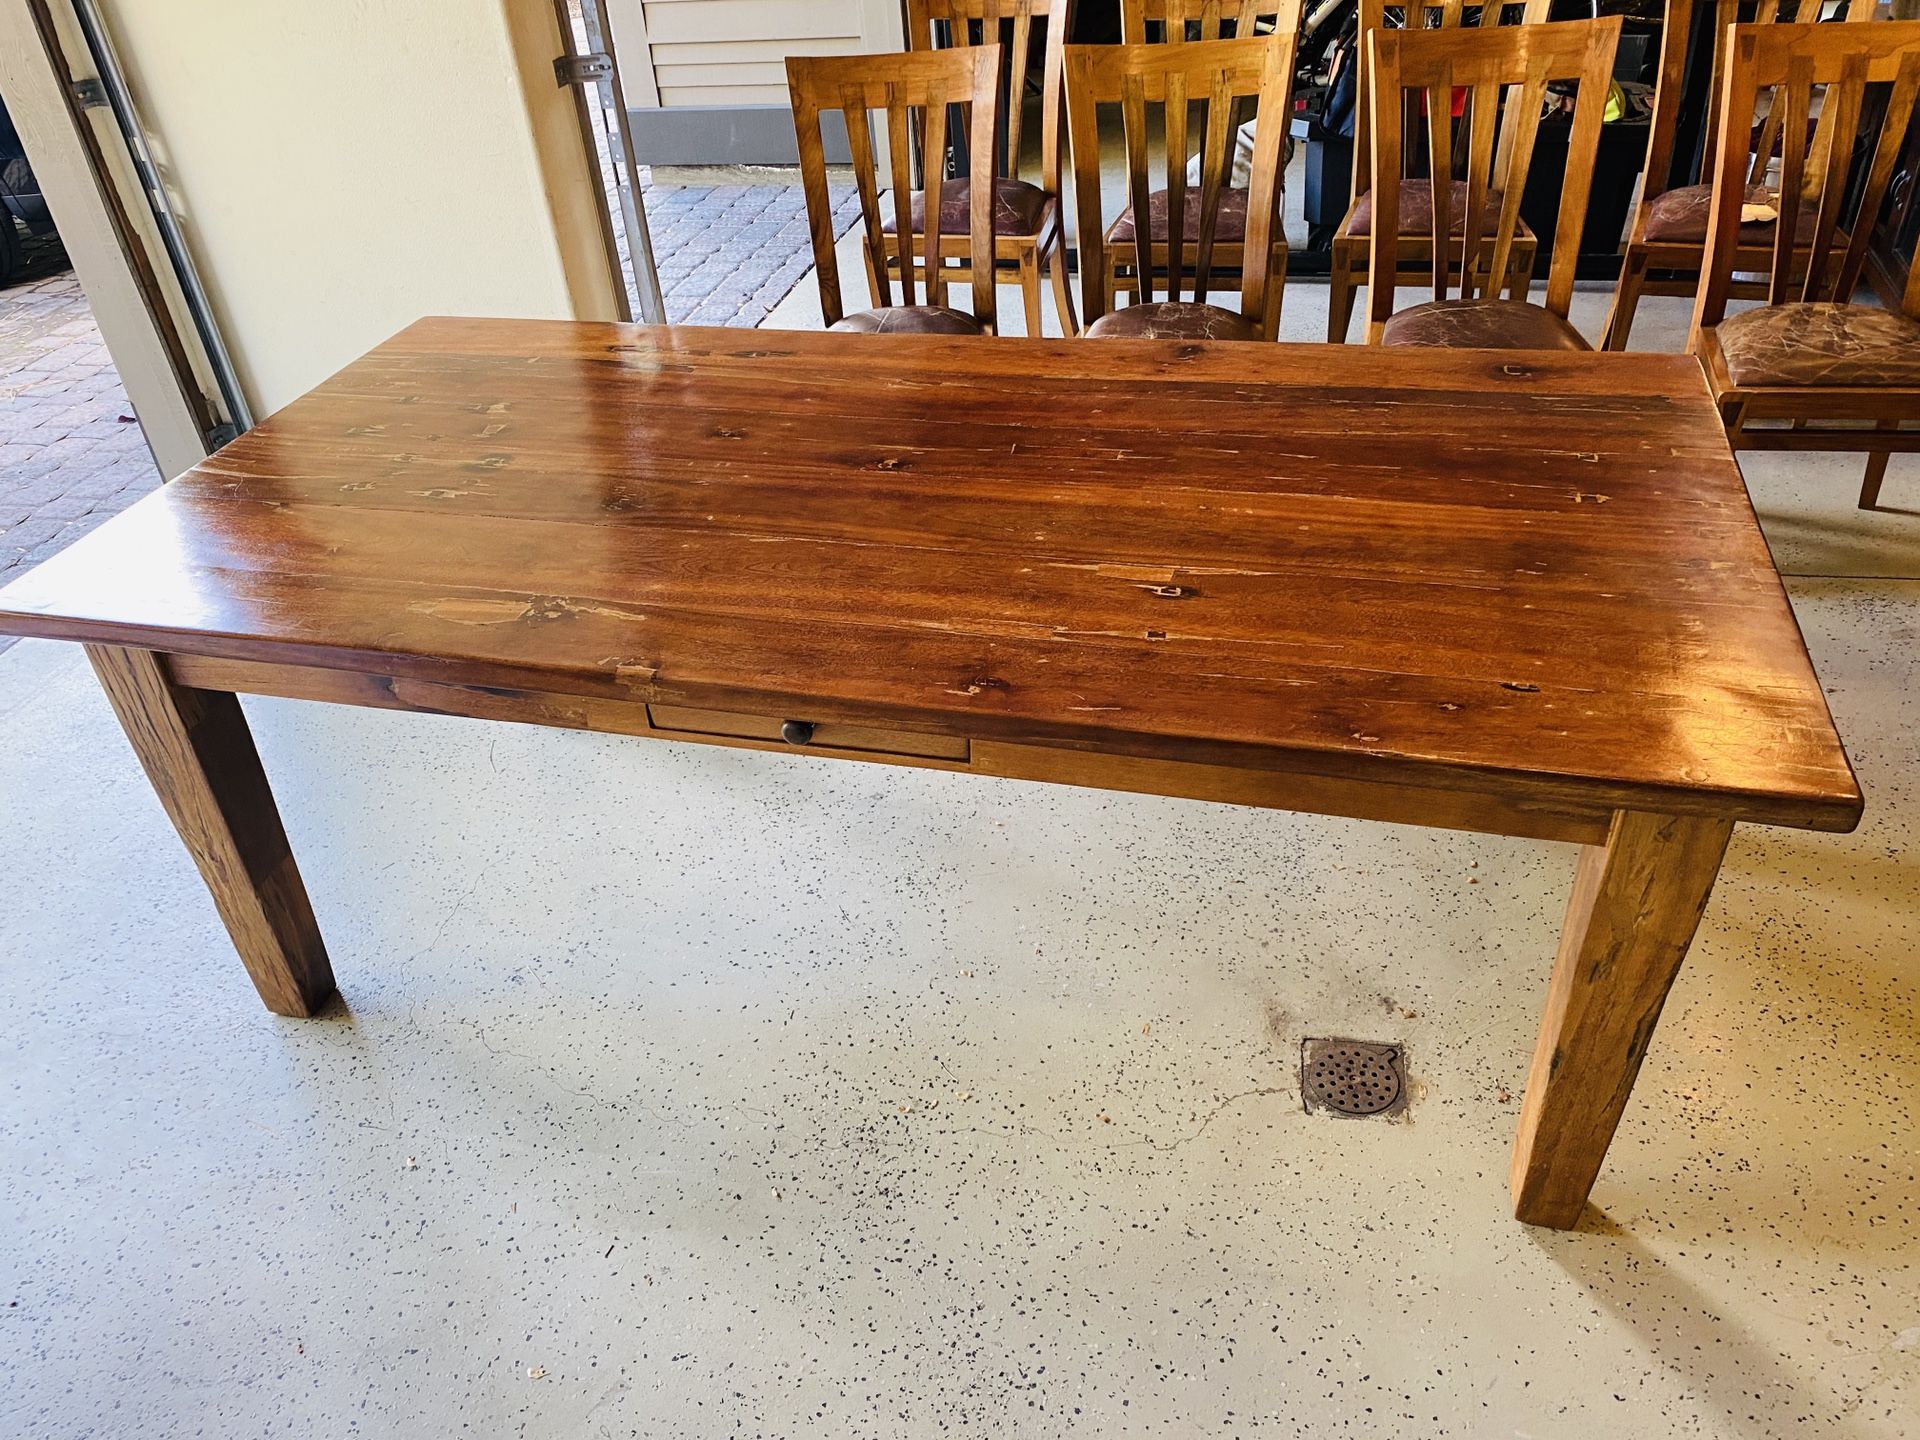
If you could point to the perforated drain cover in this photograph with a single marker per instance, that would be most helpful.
(1352, 1077)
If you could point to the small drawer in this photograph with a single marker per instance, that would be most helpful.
(798, 734)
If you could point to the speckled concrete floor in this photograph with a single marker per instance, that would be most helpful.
(643, 1112)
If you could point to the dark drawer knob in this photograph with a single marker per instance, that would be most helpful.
(796, 732)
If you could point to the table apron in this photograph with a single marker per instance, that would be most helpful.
(1393, 802)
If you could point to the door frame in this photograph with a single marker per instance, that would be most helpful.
(99, 235)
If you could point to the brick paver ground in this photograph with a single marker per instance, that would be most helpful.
(71, 453)
(727, 254)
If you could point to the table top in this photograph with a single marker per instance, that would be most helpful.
(1532, 575)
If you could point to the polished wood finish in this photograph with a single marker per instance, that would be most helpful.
(197, 751)
(1636, 902)
(1351, 255)
(1174, 22)
(1672, 267)
(1836, 168)
(1482, 591)
(935, 24)
(1400, 803)
(1371, 567)
(910, 94)
(1224, 78)
(1505, 72)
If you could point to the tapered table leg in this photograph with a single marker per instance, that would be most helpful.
(198, 752)
(1636, 903)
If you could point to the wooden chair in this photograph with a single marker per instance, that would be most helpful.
(1029, 234)
(1669, 230)
(1814, 370)
(1515, 64)
(1223, 77)
(1351, 249)
(911, 94)
(1174, 22)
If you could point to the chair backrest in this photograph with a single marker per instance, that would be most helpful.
(1825, 168)
(1514, 64)
(1433, 15)
(1170, 19)
(1223, 77)
(1671, 82)
(1669, 85)
(937, 24)
(911, 92)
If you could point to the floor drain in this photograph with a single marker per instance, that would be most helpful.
(1352, 1077)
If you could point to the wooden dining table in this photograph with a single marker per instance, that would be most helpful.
(1518, 594)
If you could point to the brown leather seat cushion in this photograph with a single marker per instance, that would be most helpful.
(1803, 344)
(910, 320)
(1229, 226)
(1483, 325)
(1172, 320)
(1017, 208)
(1681, 216)
(1416, 211)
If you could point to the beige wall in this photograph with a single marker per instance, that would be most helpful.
(343, 167)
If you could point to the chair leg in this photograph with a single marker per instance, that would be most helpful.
(1062, 286)
(1276, 292)
(1030, 289)
(1340, 295)
(1626, 300)
(1876, 471)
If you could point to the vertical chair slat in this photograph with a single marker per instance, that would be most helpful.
(1015, 63)
(960, 37)
(813, 183)
(1483, 106)
(1793, 102)
(1216, 141)
(980, 197)
(1175, 128)
(860, 150)
(1729, 188)
(921, 19)
(1051, 82)
(1271, 118)
(1440, 184)
(1522, 131)
(1383, 249)
(933, 162)
(1833, 168)
(1083, 134)
(1133, 113)
(899, 154)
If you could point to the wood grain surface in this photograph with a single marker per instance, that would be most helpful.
(1535, 577)
(197, 751)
